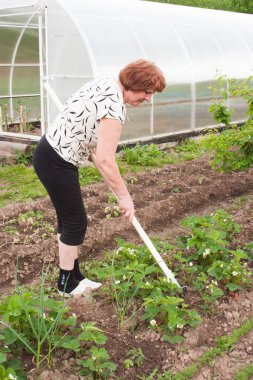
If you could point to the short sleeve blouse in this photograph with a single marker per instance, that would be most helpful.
(73, 134)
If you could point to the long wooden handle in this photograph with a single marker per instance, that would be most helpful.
(168, 273)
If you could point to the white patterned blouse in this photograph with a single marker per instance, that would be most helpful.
(73, 134)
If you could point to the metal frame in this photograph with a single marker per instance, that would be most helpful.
(42, 27)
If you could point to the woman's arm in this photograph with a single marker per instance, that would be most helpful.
(108, 138)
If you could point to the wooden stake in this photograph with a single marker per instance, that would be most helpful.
(6, 117)
(1, 120)
(24, 117)
(21, 118)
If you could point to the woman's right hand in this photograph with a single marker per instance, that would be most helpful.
(126, 206)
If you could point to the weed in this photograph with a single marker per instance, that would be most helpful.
(88, 175)
(112, 198)
(112, 212)
(245, 373)
(134, 356)
(144, 155)
(97, 364)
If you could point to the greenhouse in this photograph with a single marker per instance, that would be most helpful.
(58, 45)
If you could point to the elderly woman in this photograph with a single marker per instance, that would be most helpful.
(91, 121)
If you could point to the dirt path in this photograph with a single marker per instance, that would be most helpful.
(162, 197)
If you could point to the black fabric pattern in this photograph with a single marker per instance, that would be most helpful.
(73, 134)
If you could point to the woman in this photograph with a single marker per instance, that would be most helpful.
(91, 120)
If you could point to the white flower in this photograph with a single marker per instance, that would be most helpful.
(180, 326)
(234, 273)
(191, 264)
(153, 322)
(206, 252)
(74, 315)
(147, 283)
(214, 282)
(131, 252)
(124, 277)
(44, 315)
(11, 377)
(94, 357)
(117, 282)
(187, 247)
(211, 214)
(119, 250)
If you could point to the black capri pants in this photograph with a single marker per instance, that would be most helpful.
(60, 179)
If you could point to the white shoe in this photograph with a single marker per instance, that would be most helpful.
(90, 284)
(82, 287)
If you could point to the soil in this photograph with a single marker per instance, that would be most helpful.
(162, 198)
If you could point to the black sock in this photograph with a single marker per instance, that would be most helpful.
(67, 281)
(77, 272)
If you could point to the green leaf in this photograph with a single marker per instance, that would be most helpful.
(3, 357)
(233, 287)
(73, 345)
(173, 339)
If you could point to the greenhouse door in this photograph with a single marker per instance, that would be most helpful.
(22, 68)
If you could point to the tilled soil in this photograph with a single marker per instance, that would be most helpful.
(162, 197)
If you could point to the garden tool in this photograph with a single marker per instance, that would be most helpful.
(168, 273)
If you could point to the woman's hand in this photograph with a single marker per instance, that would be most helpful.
(127, 207)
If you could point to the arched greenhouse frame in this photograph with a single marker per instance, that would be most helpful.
(65, 43)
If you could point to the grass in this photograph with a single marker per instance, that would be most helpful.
(245, 373)
(19, 183)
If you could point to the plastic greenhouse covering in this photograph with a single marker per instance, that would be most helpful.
(65, 43)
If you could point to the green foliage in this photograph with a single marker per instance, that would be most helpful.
(112, 212)
(144, 155)
(29, 186)
(139, 288)
(88, 175)
(111, 198)
(232, 149)
(171, 312)
(97, 364)
(134, 356)
(33, 322)
(190, 145)
(206, 253)
(39, 325)
(7, 373)
(25, 158)
(242, 6)
(245, 373)
(221, 113)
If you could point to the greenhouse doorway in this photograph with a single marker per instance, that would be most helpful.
(22, 67)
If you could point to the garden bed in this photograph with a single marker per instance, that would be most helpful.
(162, 198)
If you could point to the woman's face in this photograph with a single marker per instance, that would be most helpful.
(135, 98)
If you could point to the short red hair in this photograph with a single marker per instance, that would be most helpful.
(142, 75)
